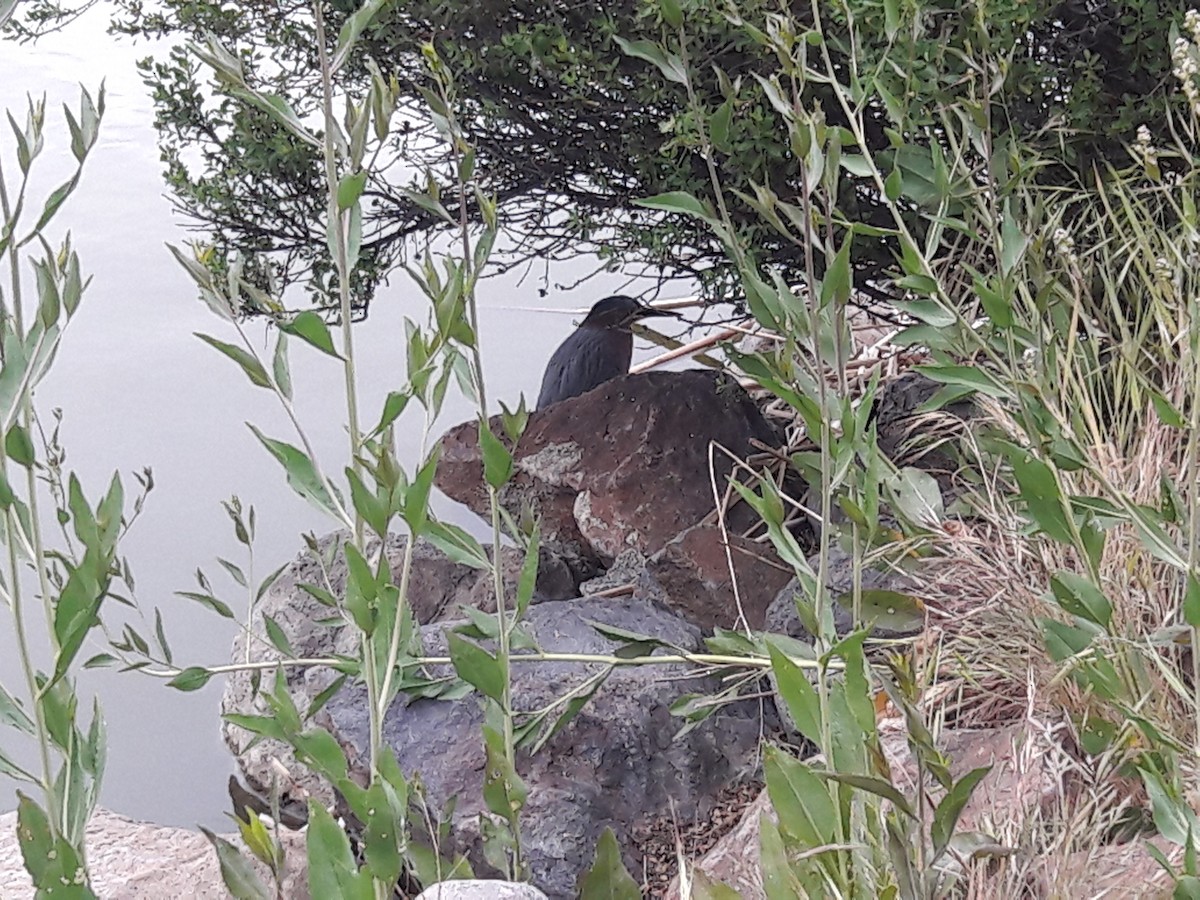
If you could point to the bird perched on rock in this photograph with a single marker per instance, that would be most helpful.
(599, 349)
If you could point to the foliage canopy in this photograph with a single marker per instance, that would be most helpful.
(569, 130)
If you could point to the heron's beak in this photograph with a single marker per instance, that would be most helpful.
(647, 312)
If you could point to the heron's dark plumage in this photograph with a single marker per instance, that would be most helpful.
(598, 350)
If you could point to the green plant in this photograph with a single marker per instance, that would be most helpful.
(55, 589)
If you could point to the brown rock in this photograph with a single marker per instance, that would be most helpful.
(1026, 778)
(691, 576)
(623, 466)
(735, 859)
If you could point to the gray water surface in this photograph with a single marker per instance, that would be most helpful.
(138, 389)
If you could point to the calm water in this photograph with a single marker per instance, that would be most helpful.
(138, 389)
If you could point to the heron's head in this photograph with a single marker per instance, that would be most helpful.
(620, 312)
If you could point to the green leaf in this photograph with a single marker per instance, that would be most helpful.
(668, 63)
(1191, 601)
(393, 406)
(236, 871)
(705, 888)
(190, 679)
(671, 12)
(718, 126)
(1167, 414)
(797, 692)
(281, 368)
(350, 188)
(876, 786)
(416, 499)
(893, 185)
(353, 27)
(19, 447)
(321, 751)
(373, 510)
(53, 863)
(1012, 242)
(917, 496)
(997, 304)
(608, 879)
(529, 571)
(801, 800)
(838, 281)
(967, 376)
(251, 366)
(679, 202)
(332, 873)
(51, 305)
(311, 328)
(220, 608)
(427, 203)
(857, 165)
(891, 18)
(931, 312)
(1041, 493)
(301, 473)
(779, 882)
(1172, 817)
(277, 637)
(257, 839)
(945, 817)
(1079, 597)
(383, 835)
(35, 838)
(477, 666)
(458, 544)
(12, 713)
(889, 610)
(497, 461)
(55, 201)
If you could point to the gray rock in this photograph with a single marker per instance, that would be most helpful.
(625, 571)
(782, 617)
(481, 890)
(623, 466)
(922, 440)
(131, 860)
(437, 587)
(616, 764)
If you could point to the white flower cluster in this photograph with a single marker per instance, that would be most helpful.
(1183, 57)
(1064, 245)
(1164, 270)
(1144, 149)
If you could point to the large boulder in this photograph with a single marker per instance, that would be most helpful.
(623, 466)
(130, 860)
(617, 764)
(437, 588)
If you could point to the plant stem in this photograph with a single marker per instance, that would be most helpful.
(339, 225)
(14, 572)
(696, 659)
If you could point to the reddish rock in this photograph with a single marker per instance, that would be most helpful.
(735, 860)
(623, 466)
(691, 576)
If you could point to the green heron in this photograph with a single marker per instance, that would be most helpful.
(600, 349)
